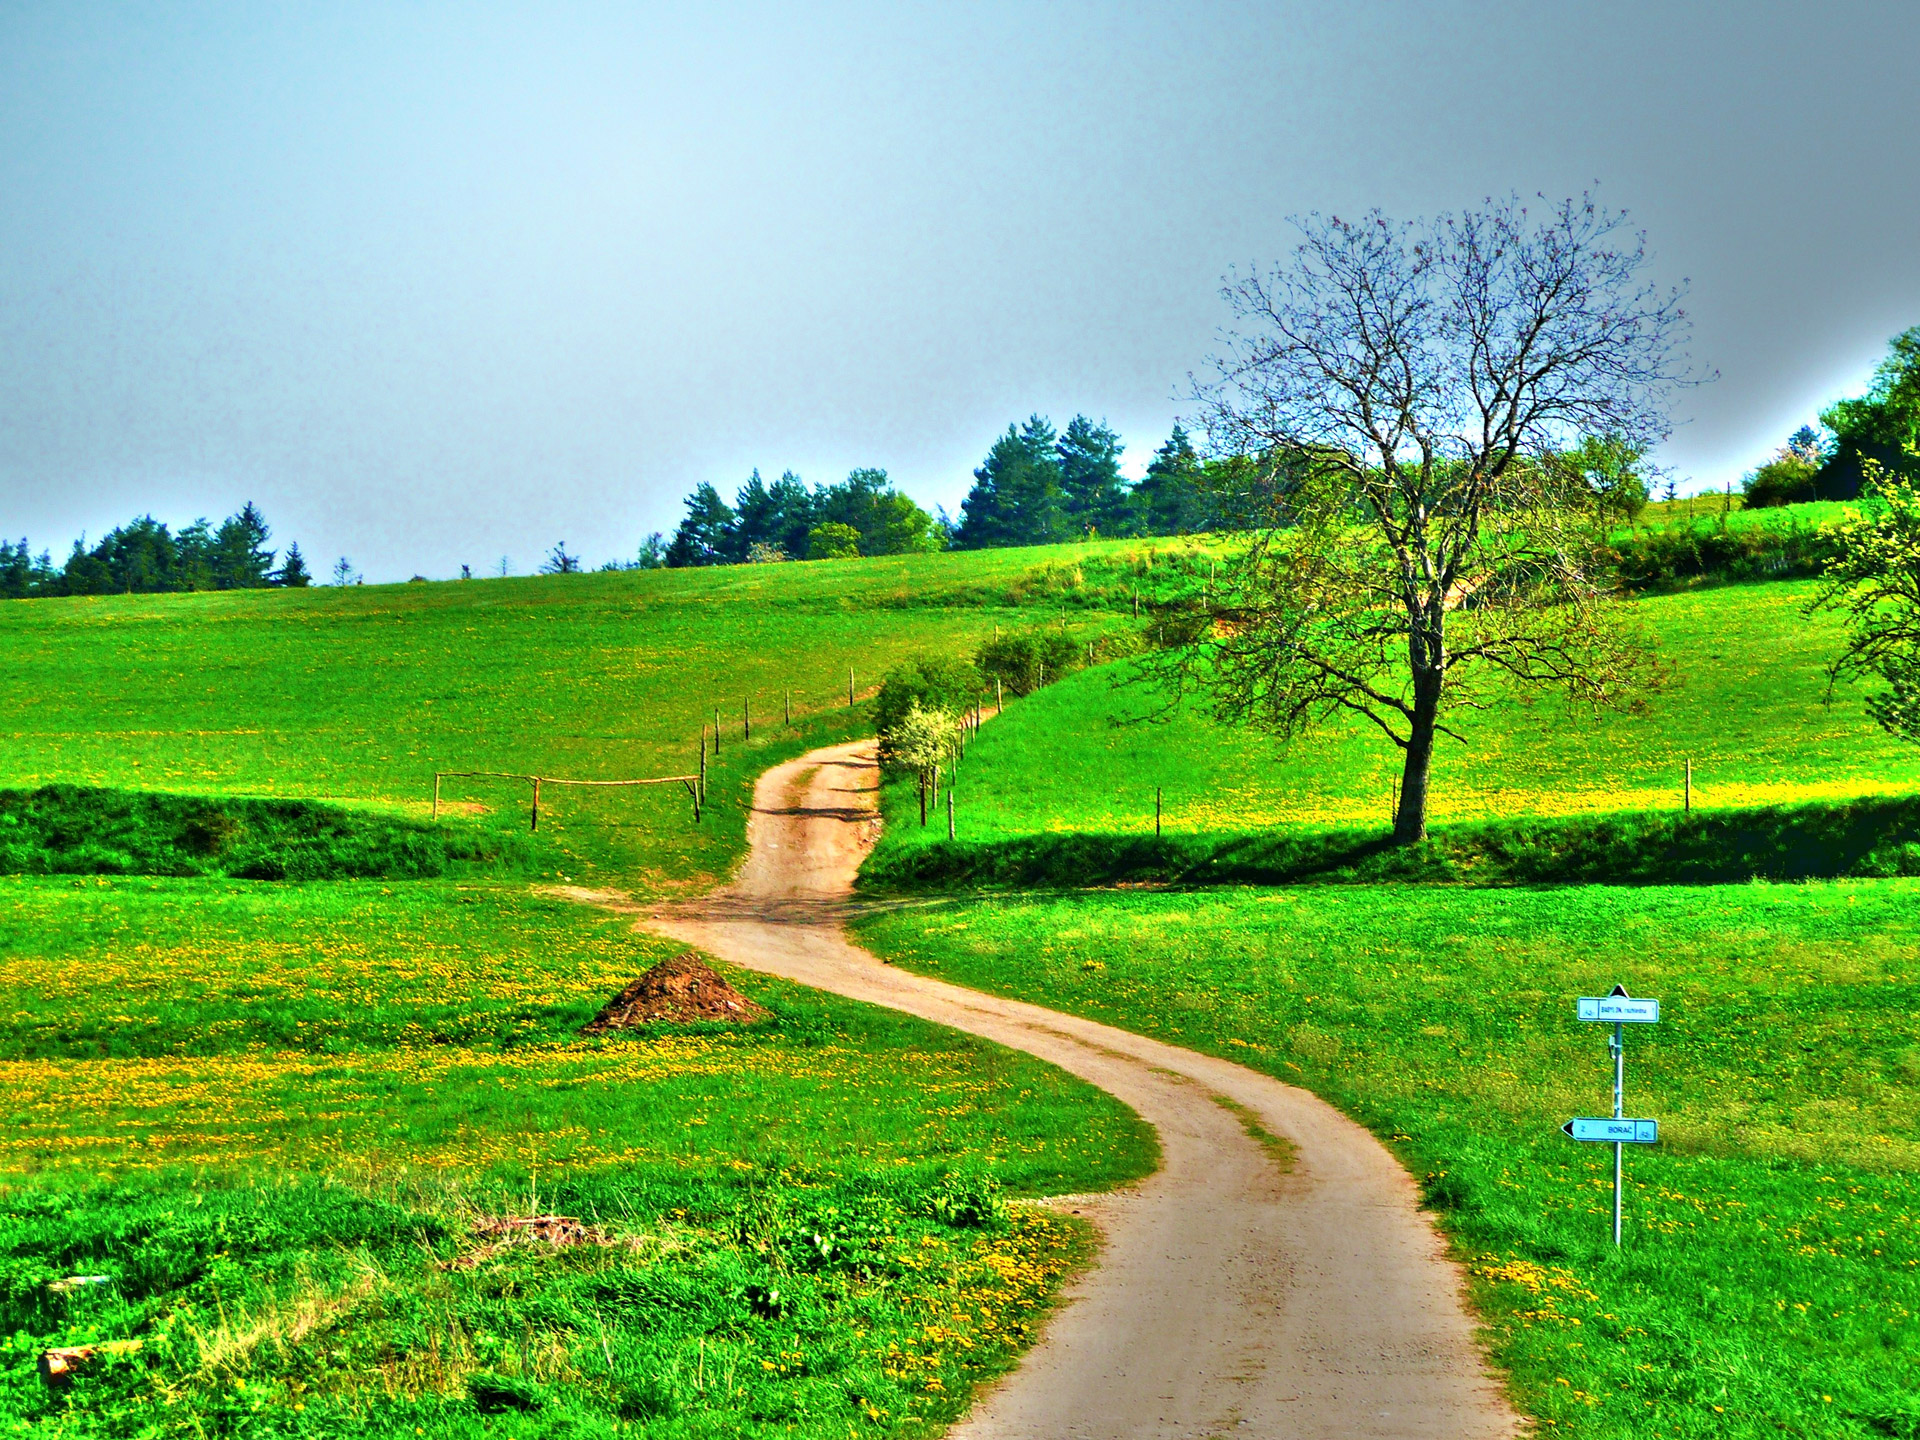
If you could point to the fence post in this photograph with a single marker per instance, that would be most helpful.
(1689, 787)
(703, 762)
(849, 687)
(746, 719)
(716, 732)
(787, 695)
(949, 812)
(536, 804)
(999, 700)
(1156, 812)
(436, 797)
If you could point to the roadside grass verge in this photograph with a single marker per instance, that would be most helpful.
(1875, 837)
(281, 1118)
(1771, 1274)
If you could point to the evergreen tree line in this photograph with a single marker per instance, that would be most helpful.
(144, 557)
(861, 515)
(1039, 487)
(1036, 487)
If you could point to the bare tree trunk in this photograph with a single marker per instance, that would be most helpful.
(1410, 821)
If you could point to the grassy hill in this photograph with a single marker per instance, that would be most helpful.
(285, 1117)
(1744, 697)
(1772, 1270)
(358, 695)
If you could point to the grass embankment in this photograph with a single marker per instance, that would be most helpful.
(76, 830)
(279, 1119)
(1876, 837)
(1745, 700)
(1772, 1272)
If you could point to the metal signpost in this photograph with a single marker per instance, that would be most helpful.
(1618, 1010)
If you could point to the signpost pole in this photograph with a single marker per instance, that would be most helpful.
(1619, 1097)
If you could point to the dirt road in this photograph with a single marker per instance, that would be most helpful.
(1230, 1298)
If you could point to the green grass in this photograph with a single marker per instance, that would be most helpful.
(358, 695)
(75, 830)
(1744, 699)
(1877, 837)
(273, 1114)
(1772, 1271)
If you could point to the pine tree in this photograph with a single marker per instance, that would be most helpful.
(755, 521)
(1171, 495)
(703, 536)
(1016, 497)
(293, 570)
(240, 558)
(1090, 480)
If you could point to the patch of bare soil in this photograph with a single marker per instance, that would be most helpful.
(680, 991)
(503, 1232)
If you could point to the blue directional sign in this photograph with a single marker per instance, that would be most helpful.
(1619, 1009)
(1615, 1132)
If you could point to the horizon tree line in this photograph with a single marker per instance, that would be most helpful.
(145, 557)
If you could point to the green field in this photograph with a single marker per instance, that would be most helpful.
(1745, 698)
(1773, 1267)
(306, 1101)
(281, 1117)
(360, 694)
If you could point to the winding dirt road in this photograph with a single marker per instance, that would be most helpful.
(1230, 1298)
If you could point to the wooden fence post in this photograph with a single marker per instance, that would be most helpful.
(1689, 787)
(923, 799)
(536, 804)
(849, 687)
(703, 762)
(436, 797)
(716, 732)
(787, 696)
(999, 700)
(1156, 812)
(949, 812)
(746, 719)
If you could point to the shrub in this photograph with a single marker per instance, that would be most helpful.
(833, 541)
(1667, 559)
(943, 683)
(1787, 479)
(1023, 663)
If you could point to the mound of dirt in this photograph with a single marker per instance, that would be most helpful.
(680, 991)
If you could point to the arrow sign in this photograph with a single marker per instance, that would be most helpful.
(1618, 1009)
(1614, 1132)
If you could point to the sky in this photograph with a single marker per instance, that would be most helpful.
(438, 284)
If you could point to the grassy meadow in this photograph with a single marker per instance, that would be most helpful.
(359, 694)
(1744, 697)
(287, 1119)
(1772, 1271)
(1771, 1276)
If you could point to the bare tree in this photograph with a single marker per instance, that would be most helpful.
(1412, 393)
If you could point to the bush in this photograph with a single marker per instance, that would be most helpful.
(1787, 479)
(937, 684)
(1023, 663)
(1668, 559)
(833, 541)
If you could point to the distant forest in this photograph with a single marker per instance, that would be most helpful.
(143, 557)
(1037, 486)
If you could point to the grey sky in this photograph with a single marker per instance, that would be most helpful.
(438, 283)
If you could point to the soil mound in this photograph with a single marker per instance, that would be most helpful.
(680, 991)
